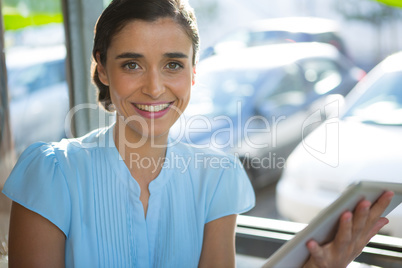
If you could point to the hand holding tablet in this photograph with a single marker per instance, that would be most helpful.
(354, 230)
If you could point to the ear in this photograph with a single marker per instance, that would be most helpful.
(193, 75)
(101, 70)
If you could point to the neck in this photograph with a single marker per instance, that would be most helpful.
(144, 156)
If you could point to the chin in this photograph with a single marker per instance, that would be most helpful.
(157, 132)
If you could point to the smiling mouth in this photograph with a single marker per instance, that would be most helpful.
(153, 108)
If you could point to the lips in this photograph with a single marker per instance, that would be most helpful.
(152, 110)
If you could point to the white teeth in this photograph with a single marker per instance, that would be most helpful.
(152, 108)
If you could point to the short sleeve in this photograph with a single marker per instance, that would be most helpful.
(37, 183)
(234, 193)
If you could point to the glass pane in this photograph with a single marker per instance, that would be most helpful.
(364, 42)
(36, 76)
(35, 62)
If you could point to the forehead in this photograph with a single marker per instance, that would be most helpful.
(163, 32)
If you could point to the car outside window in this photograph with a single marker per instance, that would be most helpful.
(381, 104)
(323, 74)
(289, 94)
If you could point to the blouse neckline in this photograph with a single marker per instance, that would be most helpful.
(123, 172)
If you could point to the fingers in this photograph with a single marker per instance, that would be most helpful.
(333, 253)
(360, 217)
(376, 228)
(380, 205)
(354, 232)
(317, 253)
(344, 234)
(363, 224)
(377, 210)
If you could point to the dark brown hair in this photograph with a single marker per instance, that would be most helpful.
(120, 12)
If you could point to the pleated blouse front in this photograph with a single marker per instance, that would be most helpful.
(87, 191)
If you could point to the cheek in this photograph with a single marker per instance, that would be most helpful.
(120, 87)
(182, 88)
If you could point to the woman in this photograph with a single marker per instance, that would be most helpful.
(127, 195)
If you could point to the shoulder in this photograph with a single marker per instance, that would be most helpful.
(41, 155)
(93, 140)
(218, 177)
(67, 150)
(36, 156)
(38, 183)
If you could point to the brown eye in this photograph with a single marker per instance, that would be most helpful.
(173, 65)
(131, 65)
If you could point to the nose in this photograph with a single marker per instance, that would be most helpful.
(154, 84)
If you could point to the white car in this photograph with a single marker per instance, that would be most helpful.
(365, 143)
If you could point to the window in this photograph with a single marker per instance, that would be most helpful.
(34, 97)
(35, 62)
(37, 83)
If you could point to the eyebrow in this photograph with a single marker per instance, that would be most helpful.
(129, 55)
(176, 55)
(133, 55)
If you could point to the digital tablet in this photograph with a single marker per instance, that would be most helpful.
(294, 253)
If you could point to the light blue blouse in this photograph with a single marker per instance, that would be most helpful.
(85, 189)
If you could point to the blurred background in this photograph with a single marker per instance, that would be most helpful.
(370, 30)
(281, 69)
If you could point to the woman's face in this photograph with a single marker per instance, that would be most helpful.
(149, 72)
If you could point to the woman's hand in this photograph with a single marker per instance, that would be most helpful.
(354, 232)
